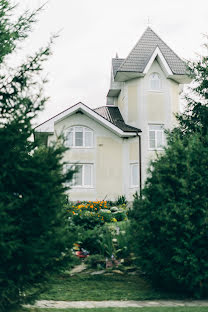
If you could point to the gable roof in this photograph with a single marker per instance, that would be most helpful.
(140, 55)
(112, 120)
(112, 113)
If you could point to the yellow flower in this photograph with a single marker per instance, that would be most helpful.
(114, 220)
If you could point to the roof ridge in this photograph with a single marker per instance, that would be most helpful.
(134, 62)
(165, 43)
(133, 48)
(58, 114)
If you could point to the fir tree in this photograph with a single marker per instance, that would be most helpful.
(34, 239)
(170, 219)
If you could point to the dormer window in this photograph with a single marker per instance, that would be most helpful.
(155, 82)
(79, 137)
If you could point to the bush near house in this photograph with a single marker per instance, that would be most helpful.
(170, 219)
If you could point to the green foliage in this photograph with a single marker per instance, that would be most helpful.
(95, 261)
(91, 222)
(34, 237)
(90, 239)
(124, 240)
(170, 219)
(194, 119)
(121, 200)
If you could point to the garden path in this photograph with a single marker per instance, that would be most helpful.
(120, 304)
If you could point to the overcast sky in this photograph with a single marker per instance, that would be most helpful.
(92, 31)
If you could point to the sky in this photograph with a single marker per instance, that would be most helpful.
(91, 32)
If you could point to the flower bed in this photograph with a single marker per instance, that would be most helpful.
(100, 228)
(92, 213)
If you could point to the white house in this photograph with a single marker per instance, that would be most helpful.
(113, 144)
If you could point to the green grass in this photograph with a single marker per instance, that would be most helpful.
(162, 309)
(100, 287)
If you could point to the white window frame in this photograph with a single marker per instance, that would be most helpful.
(84, 130)
(132, 165)
(161, 130)
(159, 89)
(83, 185)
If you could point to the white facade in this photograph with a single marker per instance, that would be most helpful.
(113, 163)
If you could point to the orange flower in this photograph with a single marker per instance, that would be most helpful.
(73, 212)
(91, 206)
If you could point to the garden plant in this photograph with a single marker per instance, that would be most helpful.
(101, 228)
(170, 218)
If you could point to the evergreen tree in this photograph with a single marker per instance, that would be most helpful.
(34, 238)
(170, 219)
(195, 117)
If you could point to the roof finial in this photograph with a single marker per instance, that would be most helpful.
(148, 21)
(116, 55)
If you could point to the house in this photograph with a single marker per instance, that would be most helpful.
(113, 144)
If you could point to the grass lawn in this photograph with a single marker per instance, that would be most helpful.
(100, 287)
(162, 309)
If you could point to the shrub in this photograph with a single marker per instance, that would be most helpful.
(121, 201)
(90, 239)
(119, 215)
(95, 261)
(170, 220)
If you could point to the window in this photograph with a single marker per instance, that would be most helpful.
(156, 136)
(155, 82)
(79, 137)
(134, 168)
(84, 175)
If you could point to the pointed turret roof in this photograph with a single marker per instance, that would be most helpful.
(142, 52)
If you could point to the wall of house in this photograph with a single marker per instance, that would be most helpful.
(140, 107)
(156, 107)
(132, 94)
(121, 101)
(111, 157)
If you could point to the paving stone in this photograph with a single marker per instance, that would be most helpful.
(117, 272)
(78, 269)
(97, 272)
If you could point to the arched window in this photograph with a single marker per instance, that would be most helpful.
(79, 137)
(155, 82)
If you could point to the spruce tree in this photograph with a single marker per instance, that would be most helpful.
(34, 238)
(170, 219)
